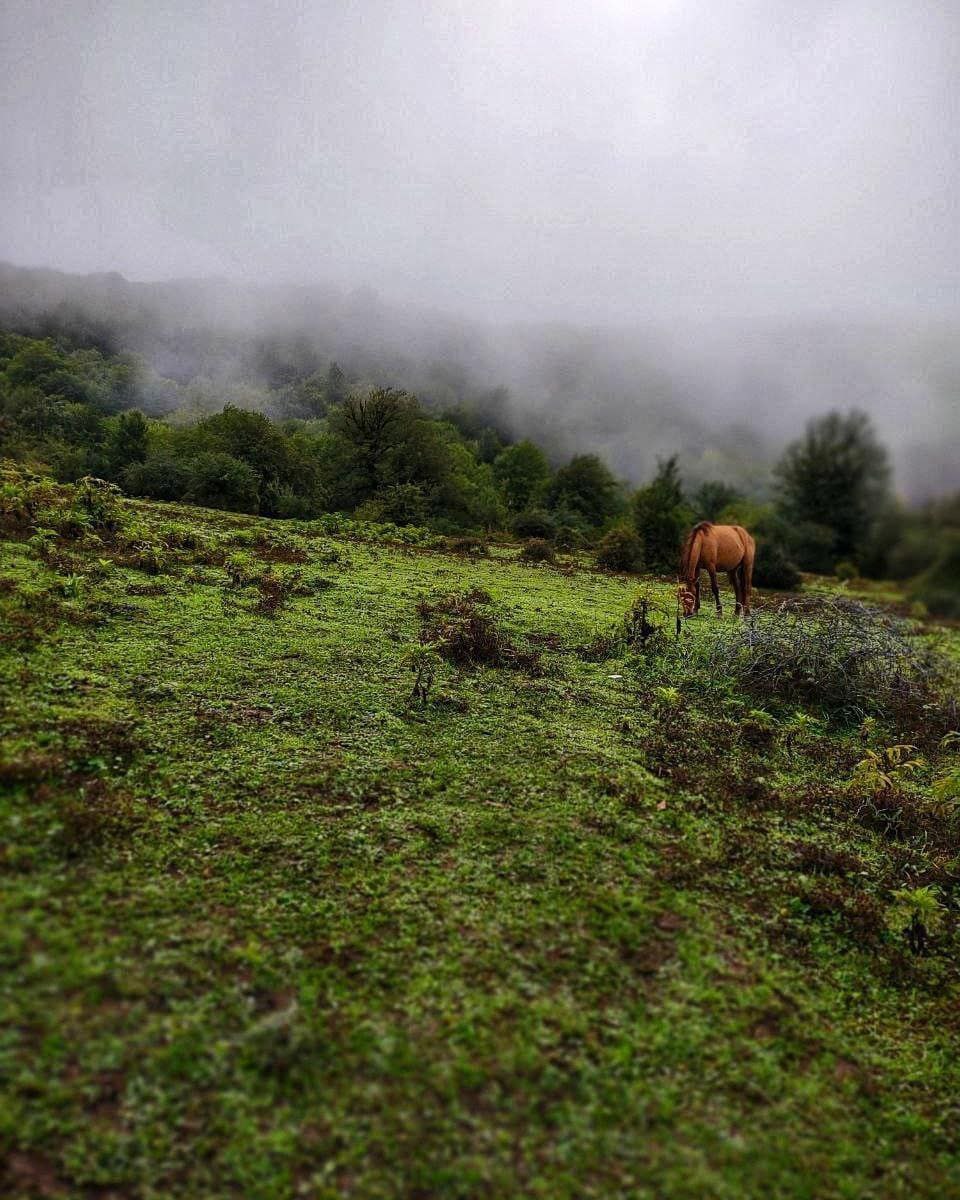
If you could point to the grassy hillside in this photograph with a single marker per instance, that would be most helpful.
(590, 920)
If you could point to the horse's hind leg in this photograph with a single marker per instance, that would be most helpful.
(747, 568)
(737, 584)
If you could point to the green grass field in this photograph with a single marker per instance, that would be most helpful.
(567, 929)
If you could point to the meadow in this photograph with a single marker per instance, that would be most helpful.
(342, 860)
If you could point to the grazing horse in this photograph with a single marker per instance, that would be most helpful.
(716, 547)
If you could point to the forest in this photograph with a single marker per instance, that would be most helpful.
(339, 444)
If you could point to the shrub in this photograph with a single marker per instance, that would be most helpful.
(838, 655)
(284, 501)
(537, 551)
(145, 556)
(180, 537)
(773, 569)
(939, 587)
(222, 481)
(846, 570)
(158, 478)
(402, 503)
(462, 628)
(422, 661)
(473, 547)
(101, 503)
(568, 537)
(620, 550)
(535, 523)
(241, 569)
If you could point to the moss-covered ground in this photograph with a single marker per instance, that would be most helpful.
(269, 929)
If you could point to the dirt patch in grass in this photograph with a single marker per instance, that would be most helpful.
(31, 1174)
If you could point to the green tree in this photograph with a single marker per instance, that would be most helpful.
(836, 478)
(523, 473)
(662, 515)
(587, 488)
(222, 481)
(711, 498)
(335, 390)
(387, 441)
(127, 441)
(248, 436)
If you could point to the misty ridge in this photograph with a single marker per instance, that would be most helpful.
(723, 396)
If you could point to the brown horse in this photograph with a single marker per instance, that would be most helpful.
(716, 547)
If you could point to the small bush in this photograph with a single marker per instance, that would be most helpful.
(144, 556)
(915, 913)
(101, 502)
(845, 571)
(620, 550)
(221, 481)
(538, 551)
(568, 538)
(838, 655)
(938, 588)
(180, 537)
(472, 547)
(535, 523)
(773, 569)
(158, 479)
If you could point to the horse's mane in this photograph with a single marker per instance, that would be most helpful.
(700, 527)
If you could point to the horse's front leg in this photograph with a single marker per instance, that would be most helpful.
(715, 587)
(696, 593)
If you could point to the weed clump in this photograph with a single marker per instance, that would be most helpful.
(276, 590)
(641, 629)
(463, 629)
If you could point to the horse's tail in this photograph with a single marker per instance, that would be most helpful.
(690, 554)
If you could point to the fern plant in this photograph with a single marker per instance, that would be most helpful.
(915, 912)
(884, 770)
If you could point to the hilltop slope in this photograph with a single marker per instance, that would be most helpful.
(570, 927)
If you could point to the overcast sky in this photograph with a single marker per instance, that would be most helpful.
(604, 161)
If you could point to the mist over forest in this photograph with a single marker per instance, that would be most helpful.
(724, 396)
(635, 229)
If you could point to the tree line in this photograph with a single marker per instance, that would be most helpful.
(379, 454)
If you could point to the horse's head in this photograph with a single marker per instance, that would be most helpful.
(686, 598)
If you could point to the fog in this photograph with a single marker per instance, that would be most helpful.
(655, 222)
